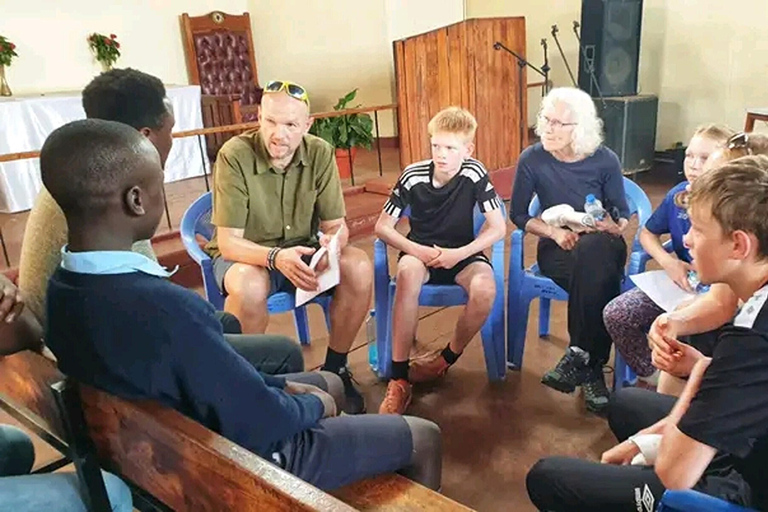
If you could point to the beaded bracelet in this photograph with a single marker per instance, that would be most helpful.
(272, 257)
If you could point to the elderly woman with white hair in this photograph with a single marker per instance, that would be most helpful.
(568, 164)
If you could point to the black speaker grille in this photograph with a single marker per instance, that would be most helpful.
(610, 38)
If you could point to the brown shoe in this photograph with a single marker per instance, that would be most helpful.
(398, 397)
(427, 368)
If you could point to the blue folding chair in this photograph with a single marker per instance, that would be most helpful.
(528, 284)
(694, 501)
(492, 332)
(197, 223)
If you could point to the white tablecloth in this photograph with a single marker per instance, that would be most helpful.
(26, 121)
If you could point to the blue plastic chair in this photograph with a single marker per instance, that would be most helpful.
(492, 332)
(528, 284)
(197, 223)
(694, 501)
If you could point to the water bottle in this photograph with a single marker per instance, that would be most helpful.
(695, 283)
(594, 208)
(370, 331)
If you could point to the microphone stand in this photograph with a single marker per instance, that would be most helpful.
(590, 64)
(521, 64)
(545, 68)
(555, 30)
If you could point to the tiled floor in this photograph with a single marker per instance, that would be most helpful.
(492, 434)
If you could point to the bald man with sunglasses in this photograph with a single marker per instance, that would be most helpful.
(277, 198)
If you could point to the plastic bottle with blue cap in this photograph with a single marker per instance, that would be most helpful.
(594, 207)
(695, 283)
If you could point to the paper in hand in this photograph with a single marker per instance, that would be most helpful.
(661, 289)
(329, 278)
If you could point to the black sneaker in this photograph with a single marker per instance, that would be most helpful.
(595, 391)
(354, 401)
(570, 372)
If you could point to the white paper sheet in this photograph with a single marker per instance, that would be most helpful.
(658, 286)
(330, 276)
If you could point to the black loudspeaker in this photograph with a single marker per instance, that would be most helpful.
(610, 46)
(630, 129)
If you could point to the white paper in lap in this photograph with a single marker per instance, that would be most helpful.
(329, 278)
(658, 286)
(25, 122)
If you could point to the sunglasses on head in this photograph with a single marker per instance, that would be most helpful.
(739, 141)
(293, 90)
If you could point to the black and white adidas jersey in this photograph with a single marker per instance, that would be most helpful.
(442, 216)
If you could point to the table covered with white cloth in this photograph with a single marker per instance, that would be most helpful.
(25, 122)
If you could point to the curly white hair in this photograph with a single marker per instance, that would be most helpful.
(588, 132)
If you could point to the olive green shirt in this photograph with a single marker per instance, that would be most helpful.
(275, 207)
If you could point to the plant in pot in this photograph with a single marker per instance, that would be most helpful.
(346, 133)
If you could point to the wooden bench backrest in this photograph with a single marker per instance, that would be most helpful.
(25, 393)
(167, 454)
(392, 492)
(187, 466)
(182, 463)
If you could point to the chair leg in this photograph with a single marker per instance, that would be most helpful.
(385, 347)
(517, 326)
(326, 305)
(302, 325)
(383, 325)
(544, 308)
(383, 319)
(622, 373)
(492, 335)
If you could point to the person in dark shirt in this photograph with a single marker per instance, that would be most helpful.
(138, 100)
(440, 248)
(116, 323)
(697, 322)
(629, 316)
(568, 164)
(714, 438)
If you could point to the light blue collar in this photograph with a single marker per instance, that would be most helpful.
(111, 262)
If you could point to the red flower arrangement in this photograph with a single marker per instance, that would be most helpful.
(7, 51)
(107, 49)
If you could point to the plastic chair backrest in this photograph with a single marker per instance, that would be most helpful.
(201, 211)
(197, 218)
(197, 221)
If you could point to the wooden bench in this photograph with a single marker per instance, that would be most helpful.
(179, 463)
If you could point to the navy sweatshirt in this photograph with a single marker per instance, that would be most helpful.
(139, 336)
(556, 182)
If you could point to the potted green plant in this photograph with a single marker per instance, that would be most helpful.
(346, 133)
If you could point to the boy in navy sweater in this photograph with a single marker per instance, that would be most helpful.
(115, 322)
